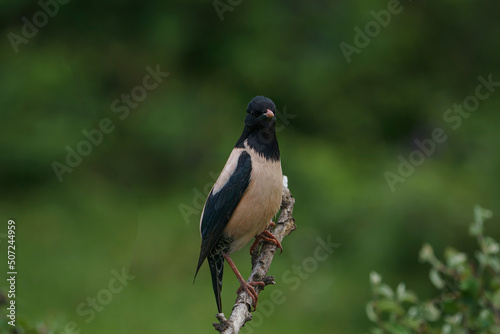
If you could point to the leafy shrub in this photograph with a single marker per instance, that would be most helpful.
(469, 299)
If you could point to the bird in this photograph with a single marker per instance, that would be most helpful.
(244, 199)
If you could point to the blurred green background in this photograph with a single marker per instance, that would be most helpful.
(121, 206)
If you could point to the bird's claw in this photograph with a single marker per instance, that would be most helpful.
(247, 286)
(271, 225)
(269, 237)
(266, 235)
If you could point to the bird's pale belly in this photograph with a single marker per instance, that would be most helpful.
(258, 205)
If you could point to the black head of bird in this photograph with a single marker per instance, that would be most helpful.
(259, 128)
(260, 113)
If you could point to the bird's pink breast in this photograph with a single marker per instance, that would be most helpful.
(260, 202)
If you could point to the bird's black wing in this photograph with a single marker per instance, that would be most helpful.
(220, 206)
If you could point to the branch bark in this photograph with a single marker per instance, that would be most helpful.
(260, 266)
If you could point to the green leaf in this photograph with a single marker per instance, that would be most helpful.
(476, 228)
(489, 245)
(375, 278)
(481, 213)
(426, 253)
(446, 329)
(390, 306)
(413, 312)
(494, 263)
(455, 319)
(436, 279)
(488, 261)
(431, 312)
(400, 290)
(405, 296)
(370, 312)
(454, 258)
(385, 291)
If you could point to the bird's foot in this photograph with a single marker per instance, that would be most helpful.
(250, 283)
(244, 285)
(248, 287)
(266, 236)
(269, 237)
(255, 246)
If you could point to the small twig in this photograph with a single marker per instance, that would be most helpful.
(260, 266)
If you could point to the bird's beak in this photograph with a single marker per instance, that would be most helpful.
(269, 114)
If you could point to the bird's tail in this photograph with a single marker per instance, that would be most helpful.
(216, 264)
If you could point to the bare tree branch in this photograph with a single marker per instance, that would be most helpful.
(260, 266)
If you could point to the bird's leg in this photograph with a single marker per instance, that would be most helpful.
(266, 236)
(244, 284)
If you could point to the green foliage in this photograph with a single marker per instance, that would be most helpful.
(469, 299)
